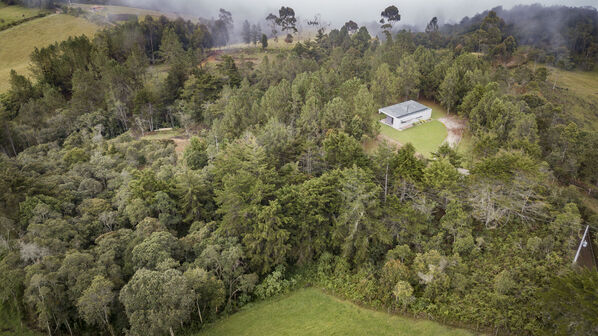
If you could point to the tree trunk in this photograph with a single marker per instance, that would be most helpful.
(108, 325)
(386, 183)
(68, 325)
(171, 332)
(199, 312)
(10, 139)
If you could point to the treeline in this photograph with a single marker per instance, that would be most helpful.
(103, 233)
(41, 4)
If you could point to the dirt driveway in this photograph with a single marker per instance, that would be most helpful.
(455, 128)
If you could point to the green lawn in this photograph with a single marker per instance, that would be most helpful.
(10, 14)
(426, 138)
(17, 43)
(311, 312)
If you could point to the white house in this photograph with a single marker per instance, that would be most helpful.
(405, 114)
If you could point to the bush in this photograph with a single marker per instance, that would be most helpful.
(195, 154)
(274, 284)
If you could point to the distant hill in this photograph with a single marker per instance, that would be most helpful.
(556, 29)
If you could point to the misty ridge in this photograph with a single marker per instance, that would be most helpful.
(536, 24)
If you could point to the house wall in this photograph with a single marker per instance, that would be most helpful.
(404, 122)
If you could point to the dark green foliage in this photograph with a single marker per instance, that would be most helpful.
(104, 233)
(195, 154)
(571, 302)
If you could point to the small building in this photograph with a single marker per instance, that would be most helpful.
(405, 114)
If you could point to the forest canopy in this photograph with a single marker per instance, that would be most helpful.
(108, 228)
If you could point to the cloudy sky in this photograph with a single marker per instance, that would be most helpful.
(413, 12)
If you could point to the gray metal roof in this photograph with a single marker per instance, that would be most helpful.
(403, 109)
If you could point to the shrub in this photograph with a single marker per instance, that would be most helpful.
(274, 284)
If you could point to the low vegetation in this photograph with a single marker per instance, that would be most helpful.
(425, 137)
(311, 312)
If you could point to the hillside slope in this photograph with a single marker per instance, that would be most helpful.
(18, 42)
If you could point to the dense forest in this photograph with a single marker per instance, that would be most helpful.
(103, 231)
(559, 35)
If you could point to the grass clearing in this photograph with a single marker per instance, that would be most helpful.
(10, 14)
(583, 83)
(577, 92)
(163, 135)
(426, 138)
(177, 136)
(140, 12)
(311, 312)
(20, 41)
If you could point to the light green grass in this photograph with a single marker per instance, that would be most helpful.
(311, 312)
(17, 43)
(426, 138)
(577, 92)
(10, 14)
(583, 83)
(163, 135)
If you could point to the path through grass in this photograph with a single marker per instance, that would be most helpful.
(311, 312)
(17, 43)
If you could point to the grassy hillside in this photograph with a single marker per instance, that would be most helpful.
(140, 12)
(18, 42)
(576, 91)
(10, 14)
(311, 312)
(583, 83)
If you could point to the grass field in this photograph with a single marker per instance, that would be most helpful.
(426, 138)
(583, 83)
(10, 14)
(577, 92)
(311, 312)
(140, 12)
(18, 42)
(177, 136)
